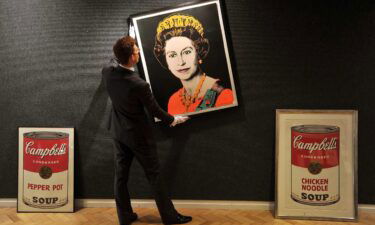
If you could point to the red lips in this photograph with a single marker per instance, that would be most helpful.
(183, 70)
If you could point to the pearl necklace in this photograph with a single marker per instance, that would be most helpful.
(187, 99)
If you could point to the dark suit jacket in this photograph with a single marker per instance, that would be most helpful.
(130, 95)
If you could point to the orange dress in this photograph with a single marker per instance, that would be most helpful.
(212, 98)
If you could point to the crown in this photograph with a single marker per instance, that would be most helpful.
(179, 21)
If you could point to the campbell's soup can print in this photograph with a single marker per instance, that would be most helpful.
(315, 157)
(45, 175)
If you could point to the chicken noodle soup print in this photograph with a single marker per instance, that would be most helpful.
(315, 164)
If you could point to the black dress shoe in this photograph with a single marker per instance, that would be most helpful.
(130, 219)
(180, 219)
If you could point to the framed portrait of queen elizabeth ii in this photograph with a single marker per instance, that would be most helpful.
(185, 57)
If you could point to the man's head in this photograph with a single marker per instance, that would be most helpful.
(126, 51)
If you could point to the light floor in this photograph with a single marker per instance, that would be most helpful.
(107, 216)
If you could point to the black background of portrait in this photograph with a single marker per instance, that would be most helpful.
(311, 54)
(163, 82)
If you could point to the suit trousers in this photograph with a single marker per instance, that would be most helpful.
(148, 158)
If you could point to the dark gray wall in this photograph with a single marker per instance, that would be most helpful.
(312, 54)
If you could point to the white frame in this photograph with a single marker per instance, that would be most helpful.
(134, 31)
(346, 209)
(21, 206)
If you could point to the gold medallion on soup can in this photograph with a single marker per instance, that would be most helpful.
(45, 175)
(315, 164)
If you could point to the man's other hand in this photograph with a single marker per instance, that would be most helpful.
(178, 120)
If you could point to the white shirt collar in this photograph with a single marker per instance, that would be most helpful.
(129, 68)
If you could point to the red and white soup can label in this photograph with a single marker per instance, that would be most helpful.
(45, 175)
(315, 164)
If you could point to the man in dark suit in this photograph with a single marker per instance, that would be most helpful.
(132, 133)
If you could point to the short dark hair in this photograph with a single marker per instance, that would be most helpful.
(201, 44)
(124, 48)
